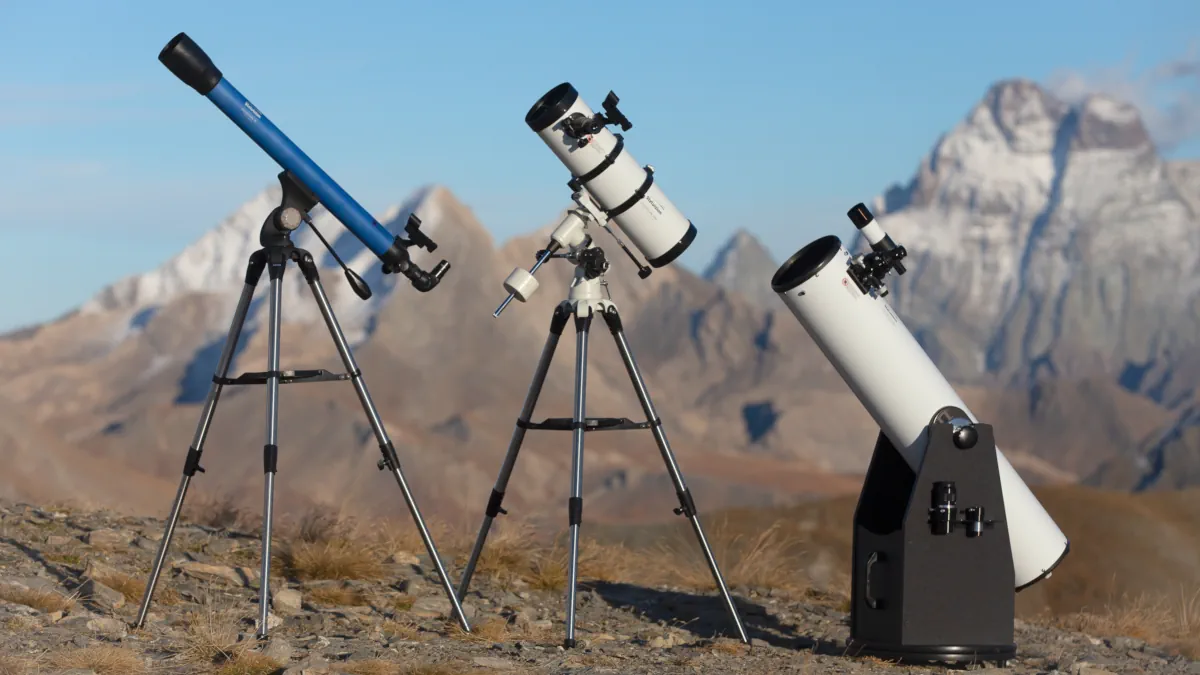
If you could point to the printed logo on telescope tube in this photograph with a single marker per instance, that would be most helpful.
(252, 112)
(851, 289)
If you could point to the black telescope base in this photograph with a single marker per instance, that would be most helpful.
(933, 578)
(933, 654)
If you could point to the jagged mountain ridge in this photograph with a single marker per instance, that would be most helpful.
(124, 377)
(1050, 241)
(216, 263)
(743, 265)
(754, 411)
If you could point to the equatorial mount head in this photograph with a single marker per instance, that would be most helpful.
(868, 270)
(571, 235)
(579, 126)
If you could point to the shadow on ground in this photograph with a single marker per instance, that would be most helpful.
(706, 616)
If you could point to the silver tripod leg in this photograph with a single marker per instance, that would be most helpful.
(390, 459)
(687, 505)
(192, 463)
(575, 504)
(514, 445)
(271, 449)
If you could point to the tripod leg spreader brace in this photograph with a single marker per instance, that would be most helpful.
(933, 575)
(578, 424)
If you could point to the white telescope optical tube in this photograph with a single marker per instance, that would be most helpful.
(898, 384)
(600, 165)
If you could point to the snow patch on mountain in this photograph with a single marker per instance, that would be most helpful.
(1047, 239)
(217, 263)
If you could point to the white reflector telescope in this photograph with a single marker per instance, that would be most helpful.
(839, 299)
(600, 164)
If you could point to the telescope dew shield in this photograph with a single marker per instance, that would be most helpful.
(189, 63)
(898, 384)
(604, 167)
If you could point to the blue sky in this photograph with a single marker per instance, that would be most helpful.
(770, 116)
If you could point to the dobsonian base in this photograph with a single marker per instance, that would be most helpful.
(276, 253)
(926, 593)
(583, 312)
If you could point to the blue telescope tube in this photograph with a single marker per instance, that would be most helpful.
(189, 63)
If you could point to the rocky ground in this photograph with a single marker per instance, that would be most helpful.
(71, 582)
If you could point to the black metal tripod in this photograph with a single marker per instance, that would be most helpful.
(277, 251)
(584, 305)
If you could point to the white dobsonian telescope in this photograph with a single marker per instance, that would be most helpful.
(839, 299)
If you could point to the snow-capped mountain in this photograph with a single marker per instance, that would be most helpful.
(217, 261)
(1051, 251)
(1052, 240)
(744, 265)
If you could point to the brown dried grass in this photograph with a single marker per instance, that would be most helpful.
(1172, 622)
(101, 659)
(42, 600)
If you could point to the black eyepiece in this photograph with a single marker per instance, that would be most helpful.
(860, 215)
(190, 64)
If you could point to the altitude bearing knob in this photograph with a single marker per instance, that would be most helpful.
(290, 218)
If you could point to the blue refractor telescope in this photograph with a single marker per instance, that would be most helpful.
(189, 63)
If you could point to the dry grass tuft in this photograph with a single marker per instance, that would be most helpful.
(486, 632)
(342, 558)
(21, 624)
(1172, 622)
(763, 560)
(133, 588)
(63, 558)
(222, 512)
(404, 629)
(400, 603)
(42, 600)
(103, 660)
(212, 637)
(498, 630)
(322, 523)
(370, 667)
(728, 646)
(508, 554)
(339, 596)
(517, 554)
(249, 663)
(10, 665)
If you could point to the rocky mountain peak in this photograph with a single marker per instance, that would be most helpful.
(744, 265)
(1105, 123)
(1021, 113)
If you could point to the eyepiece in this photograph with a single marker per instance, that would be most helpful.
(184, 57)
(552, 106)
(426, 281)
(860, 215)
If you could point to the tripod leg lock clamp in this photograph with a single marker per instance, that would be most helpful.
(687, 506)
(390, 460)
(493, 505)
(270, 458)
(613, 319)
(192, 464)
(575, 511)
(559, 321)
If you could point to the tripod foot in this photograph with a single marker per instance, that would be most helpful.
(569, 643)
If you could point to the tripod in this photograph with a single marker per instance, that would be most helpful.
(584, 303)
(277, 251)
